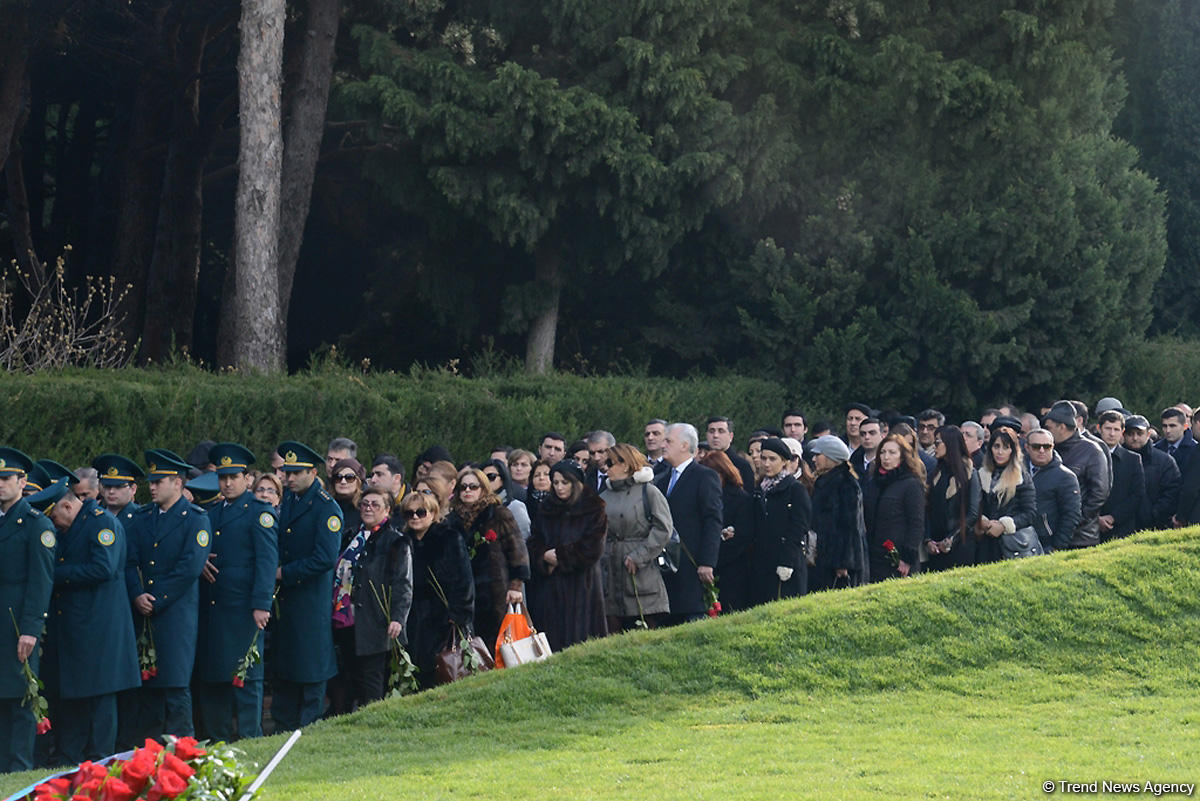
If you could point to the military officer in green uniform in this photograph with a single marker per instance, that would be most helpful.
(27, 545)
(89, 641)
(45, 472)
(236, 602)
(119, 479)
(310, 523)
(169, 541)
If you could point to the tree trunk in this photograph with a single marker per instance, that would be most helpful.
(256, 230)
(305, 129)
(175, 263)
(18, 204)
(539, 348)
(14, 63)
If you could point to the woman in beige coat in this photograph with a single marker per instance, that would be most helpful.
(639, 525)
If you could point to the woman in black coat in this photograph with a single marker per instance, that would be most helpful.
(443, 601)
(1009, 505)
(499, 559)
(564, 551)
(782, 510)
(952, 511)
(837, 518)
(374, 577)
(737, 536)
(894, 508)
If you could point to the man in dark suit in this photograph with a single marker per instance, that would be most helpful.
(598, 443)
(1177, 440)
(694, 494)
(718, 433)
(1162, 474)
(870, 435)
(1121, 513)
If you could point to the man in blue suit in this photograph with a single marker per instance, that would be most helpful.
(694, 494)
(236, 601)
(302, 647)
(27, 545)
(169, 541)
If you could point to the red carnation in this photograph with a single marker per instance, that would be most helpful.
(43, 725)
(238, 681)
(169, 785)
(491, 535)
(117, 790)
(188, 748)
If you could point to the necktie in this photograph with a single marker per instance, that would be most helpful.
(674, 478)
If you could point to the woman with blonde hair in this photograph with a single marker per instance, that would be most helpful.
(639, 525)
(1009, 504)
(499, 559)
(894, 509)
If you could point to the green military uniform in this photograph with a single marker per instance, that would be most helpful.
(115, 470)
(90, 641)
(27, 543)
(303, 658)
(245, 553)
(167, 551)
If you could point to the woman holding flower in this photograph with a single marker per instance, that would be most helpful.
(499, 560)
(443, 599)
(894, 508)
(371, 598)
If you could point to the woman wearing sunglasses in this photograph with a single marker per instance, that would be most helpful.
(499, 560)
(639, 525)
(346, 485)
(440, 569)
(371, 598)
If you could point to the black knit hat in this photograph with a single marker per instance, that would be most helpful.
(777, 445)
(568, 469)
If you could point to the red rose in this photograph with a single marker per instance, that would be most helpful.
(55, 787)
(89, 789)
(888, 545)
(187, 748)
(154, 671)
(713, 611)
(177, 765)
(43, 725)
(137, 771)
(153, 746)
(169, 785)
(117, 790)
(717, 605)
(238, 681)
(145, 675)
(491, 535)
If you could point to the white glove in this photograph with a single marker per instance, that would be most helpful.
(784, 573)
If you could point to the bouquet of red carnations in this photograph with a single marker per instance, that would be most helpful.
(182, 770)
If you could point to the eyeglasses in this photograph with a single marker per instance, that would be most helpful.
(370, 505)
(1040, 446)
(610, 461)
(409, 514)
(425, 491)
(492, 476)
(267, 490)
(346, 478)
(468, 487)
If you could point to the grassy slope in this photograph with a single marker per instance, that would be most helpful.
(981, 684)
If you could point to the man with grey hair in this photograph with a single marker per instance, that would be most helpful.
(974, 436)
(339, 448)
(694, 495)
(88, 488)
(598, 443)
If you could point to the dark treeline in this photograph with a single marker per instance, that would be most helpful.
(858, 199)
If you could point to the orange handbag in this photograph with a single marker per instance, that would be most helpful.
(519, 639)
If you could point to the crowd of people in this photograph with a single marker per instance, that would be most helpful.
(145, 619)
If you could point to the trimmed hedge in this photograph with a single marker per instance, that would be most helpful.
(74, 415)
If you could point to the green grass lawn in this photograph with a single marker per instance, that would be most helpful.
(981, 683)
